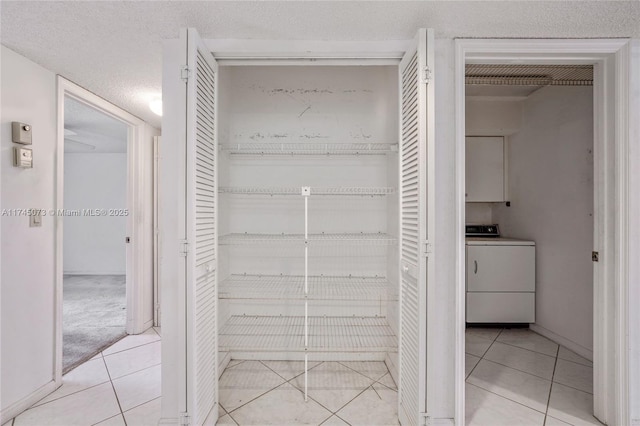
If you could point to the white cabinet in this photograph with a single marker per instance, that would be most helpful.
(500, 282)
(485, 169)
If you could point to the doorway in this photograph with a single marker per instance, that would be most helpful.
(609, 370)
(95, 231)
(100, 246)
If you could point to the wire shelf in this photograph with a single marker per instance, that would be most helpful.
(296, 190)
(349, 238)
(286, 333)
(291, 287)
(309, 148)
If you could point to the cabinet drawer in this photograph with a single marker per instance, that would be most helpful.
(501, 268)
(501, 307)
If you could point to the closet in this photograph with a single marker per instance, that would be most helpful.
(303, 216)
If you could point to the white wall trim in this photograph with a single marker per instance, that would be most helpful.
(611, 109)
(135, 223)
(569, 344)
(18, 407)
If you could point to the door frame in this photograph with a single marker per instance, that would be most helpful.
(612, 135)
(135, 184)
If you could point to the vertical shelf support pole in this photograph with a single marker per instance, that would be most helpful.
(306, 191)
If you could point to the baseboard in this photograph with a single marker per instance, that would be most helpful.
(18, 407)
(569, 344)
(174, 421)
(441, 422)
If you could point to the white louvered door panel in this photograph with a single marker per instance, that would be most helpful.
(417, 192)
(201, 216)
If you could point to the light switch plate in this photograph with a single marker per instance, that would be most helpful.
(35, 219)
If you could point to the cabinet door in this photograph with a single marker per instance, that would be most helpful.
(484, 169)
(501, 268)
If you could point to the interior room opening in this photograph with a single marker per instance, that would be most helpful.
(94, 217)
(333, 129)
(530, 228)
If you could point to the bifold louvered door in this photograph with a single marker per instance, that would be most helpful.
(201, 76)
(416, 216)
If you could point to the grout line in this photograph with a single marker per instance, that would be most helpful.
(504, 397)
(69, 394)
(108, 418)
(158, 397)
(128, 349)
(386, 386)
(156, 331)
(527, 349)
(114, 391)
(352, 399)
(485, 352)
(546, 412)
(361, 373)
(134, 372)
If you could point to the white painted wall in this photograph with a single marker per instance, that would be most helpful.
(95, 245)
(27, 290)
(551, 193)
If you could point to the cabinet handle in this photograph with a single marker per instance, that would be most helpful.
(475, 264)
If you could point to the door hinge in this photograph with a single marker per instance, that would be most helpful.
(595, 256)
(185, 420)
(425, 75)
(427, 248)
(184, 247)
(185, 73)
(425, 420)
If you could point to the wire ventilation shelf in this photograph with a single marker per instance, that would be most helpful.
(348, 238)
(309, 148)
(322, 191)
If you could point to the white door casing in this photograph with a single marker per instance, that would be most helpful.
(416, 223)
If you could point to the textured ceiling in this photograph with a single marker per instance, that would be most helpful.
(88, 130)
(115, 48)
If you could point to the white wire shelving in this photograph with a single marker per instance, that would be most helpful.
(315, 191)
(325, 334)
(309, 148)
(346, 238)
(291, 287)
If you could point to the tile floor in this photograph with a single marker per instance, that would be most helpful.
(514, 377)
(517, 377)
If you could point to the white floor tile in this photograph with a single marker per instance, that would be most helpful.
(522, 359)
(147, 414)
(527, 339)
(575, 375)
(551, 421)
(571, 405)
(133, 341)
(388, 381)
(84, 376)
(377, 405)
(485, 333)
(476, 345)
(114, 421)
(515, 385)
(484, 408)
(572, 356)
(281, 406)
(333, 385)
(226, 420)
(97, 356)
(87, 407)
(8, 423)
(289, 369)
(138, 388)
(234, 362)
(158, 330)
(470, 361)
(335, 421)
(244, 382)
(372, 369)
(132, 360)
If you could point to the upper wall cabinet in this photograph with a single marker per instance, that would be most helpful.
(485, 169)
